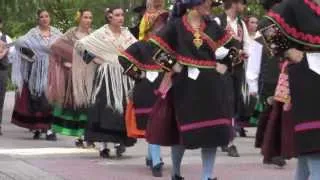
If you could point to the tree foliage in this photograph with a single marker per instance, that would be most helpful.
(20, 16)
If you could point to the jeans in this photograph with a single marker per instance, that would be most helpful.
(208, 156)
(154, 154)
(308, 167)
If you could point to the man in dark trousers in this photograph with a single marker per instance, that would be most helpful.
(231, 20)
(4, 65)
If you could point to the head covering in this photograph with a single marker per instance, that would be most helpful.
(191, 3)
(217, 2)
(285, 26)
(180, 6)
(268, 4)
(141, 8)
(291, 15)
(235, 1)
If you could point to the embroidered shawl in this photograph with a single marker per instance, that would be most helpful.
(60, 77)
(106, 47)
(35, 73)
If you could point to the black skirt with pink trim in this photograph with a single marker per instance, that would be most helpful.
(197, 112)
(144, 98)
(31, 112)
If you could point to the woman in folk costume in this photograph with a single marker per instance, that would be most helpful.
(138, 57)
(139, 11)
(262, 77)
(67, 120)
(289, 34)
(32, 110)
(154, 9)
(200, 102)
(102, 86)
(274, 125)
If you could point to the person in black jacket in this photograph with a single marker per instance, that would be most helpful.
(230, 20)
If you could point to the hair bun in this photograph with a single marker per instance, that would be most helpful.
(77, 17)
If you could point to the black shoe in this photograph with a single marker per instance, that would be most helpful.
(176, 177)
(105, 153)
(157, 170)
(79, 143)
(213, 179)
(90, 144)
(36, 135)
(278, 161)
(120, 149)
(224, 148)
(149, 162)
(232, 151)
(243, 132)
(1, 130)
(51, 137)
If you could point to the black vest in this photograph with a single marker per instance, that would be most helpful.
(4, 63)
(269, 72)
(224, 24)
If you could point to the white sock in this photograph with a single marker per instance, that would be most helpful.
(103, 146)
(49, 132)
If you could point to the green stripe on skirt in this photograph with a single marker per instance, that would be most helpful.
(69, 122)
(256, 113)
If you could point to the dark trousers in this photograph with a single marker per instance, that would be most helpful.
(238, 76)
(3, 83)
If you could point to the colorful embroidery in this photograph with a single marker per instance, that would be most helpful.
(131, 59)
(196, 62)
(292, 32)
(313, 6)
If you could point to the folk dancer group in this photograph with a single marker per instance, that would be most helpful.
(113, 86)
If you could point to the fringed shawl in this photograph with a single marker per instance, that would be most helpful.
(59, 78)
(106, 47)
(36, 73)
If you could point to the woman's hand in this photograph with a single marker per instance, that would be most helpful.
(254, 94)
(221, 68)
(97, 60)
(3, 49)
(177, 68)
(243, 55)
(142, 75)
(67, 64)
(294, 55)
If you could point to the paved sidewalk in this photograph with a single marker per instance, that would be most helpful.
(22, 158)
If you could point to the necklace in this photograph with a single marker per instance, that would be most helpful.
(197, 40)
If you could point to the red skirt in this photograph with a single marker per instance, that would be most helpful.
(279, 134)
(162, 127)
(31, 112)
